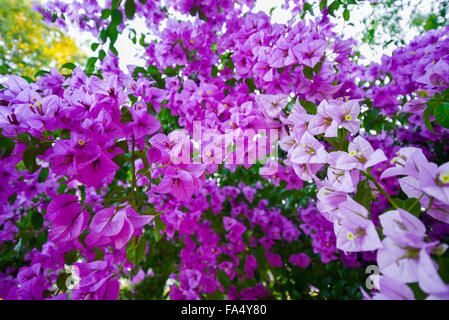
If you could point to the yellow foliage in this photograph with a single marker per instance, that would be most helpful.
(28, 45)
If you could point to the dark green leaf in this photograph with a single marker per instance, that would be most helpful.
(68, 65)
(223, 279)
(442, 114)
(136, 251)
(29, 159)
(115, 4)
(70, 257)
(159, 226)
(333, 7)
(142, 41)
(7, 146)
(346, 14)
(12, 198)
(101, 54)
(308, 72)
(130, 9)
(61, 281)
(431, 105)
(43, 175)
(116, 19)
(126, 116)
(250, 83)
(94, 46)
(99, 254)
(123, 145)
(41, 73)
(120, 159)
(90, 66)
(106, 13)
(411, 205)
(310, 107)
(317, 67)
(37, 220)
(364, 194)
(323, 4)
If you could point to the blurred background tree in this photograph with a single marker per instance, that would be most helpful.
(394, 22)
(28, 45)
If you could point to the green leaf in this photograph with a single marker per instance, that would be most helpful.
(4, 70)
(68, 65)
(142, 41)
(139, 70)
(417, 291)
(323, 4)
(333, 7)
(126, 116)
(442, 114)
(364, 194)
(411, 205)
(230, 82)
(159, 226)
(37, 220)
(290, 105)
(308, 72)
(120, 159)
(94, 46)
(61, 281)
(346, 14)
(70, 257)
(90, 66)
(443, 269)
(223, 279)
(135, 251)
(29, 159)
(99, 254)
(306, 7)
(106, 13)
(12, 198)
(431, 105)
(7, 146)
(115, 4)
(122, 145)
(171, 72)
(310, 107)
(130, 9)
(431, 23)
(43, 175)
(116, 19)
(101, 54)
(250, 83)
(153, 70)
(103, 35)
(317, 67)
(41, 73)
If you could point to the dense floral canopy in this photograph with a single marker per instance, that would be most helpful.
(246, 160)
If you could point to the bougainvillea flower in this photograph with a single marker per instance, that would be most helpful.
(428, 277)
(354, 230)
(361, 155)
(94, 166)
(390, 289)
(272, 104)
(309, 151)
(310, 52)
(398, 262)
(403, 228)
